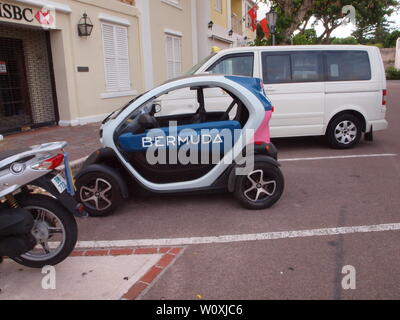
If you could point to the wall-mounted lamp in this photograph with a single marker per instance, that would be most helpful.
(230, 33)
(85, 26)
(210, 25)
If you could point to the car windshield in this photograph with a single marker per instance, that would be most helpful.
(197, 67)
(117, 112)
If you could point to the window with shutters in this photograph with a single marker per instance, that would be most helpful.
(116, 58)
(174, 56)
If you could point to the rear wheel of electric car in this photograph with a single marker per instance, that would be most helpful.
(55, 231)
(344, 132)
(99, 193)
(261, 188)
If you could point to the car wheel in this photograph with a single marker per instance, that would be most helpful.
(99, 193)
(260, 189)
(344, 132)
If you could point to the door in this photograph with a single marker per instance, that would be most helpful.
(294, 81)
(15, 109)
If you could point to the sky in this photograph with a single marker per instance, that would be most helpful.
(341, 32)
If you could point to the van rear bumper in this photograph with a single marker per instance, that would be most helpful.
(377, 125)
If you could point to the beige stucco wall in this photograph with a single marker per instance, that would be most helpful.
(163, 17)
(79, 94)
(219, 18)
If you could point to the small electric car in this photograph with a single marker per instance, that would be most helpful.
(194, 149)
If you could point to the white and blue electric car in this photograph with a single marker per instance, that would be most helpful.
(194, 149)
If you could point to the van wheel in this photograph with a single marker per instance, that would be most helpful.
(99, 193)
(344, 132)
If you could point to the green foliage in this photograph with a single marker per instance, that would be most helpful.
(307, 38)
(392, 73)
(348, 40)
(372, 20)
(391, 39)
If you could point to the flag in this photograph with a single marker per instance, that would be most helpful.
(265, 27)
(253, 16)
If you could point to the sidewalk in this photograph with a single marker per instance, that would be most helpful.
(82, 140)
(101, 274)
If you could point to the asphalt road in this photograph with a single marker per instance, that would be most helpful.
(319, 194)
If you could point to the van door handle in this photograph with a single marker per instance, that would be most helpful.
(270, 89)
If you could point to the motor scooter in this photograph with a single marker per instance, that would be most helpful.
(37, 207)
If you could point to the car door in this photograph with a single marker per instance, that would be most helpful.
(294, 81)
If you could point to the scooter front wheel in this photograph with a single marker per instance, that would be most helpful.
(99, 192)
(261, 188)
(55, 231)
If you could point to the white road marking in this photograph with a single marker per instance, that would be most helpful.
(240, 238)
(341, 157)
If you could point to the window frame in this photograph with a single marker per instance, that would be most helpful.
(234, 55)
(117, 58)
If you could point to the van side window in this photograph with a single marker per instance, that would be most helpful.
(347, 66)
(234, 65)
(307, 67)
(290, 67)
(276, 68)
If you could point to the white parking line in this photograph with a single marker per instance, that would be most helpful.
(341, 157)
(240, 238)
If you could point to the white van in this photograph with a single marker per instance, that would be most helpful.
(337, 91)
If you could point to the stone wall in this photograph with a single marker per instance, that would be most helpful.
(388, 55)
(37, 70)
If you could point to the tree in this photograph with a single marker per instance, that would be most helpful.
(372, 19)
(308, 36)
(329, 13)
(348, 40)
(292, 14)
(391, 39)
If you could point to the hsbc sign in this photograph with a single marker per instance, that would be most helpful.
(12, 12)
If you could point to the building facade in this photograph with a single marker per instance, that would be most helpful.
(51, 73)
(223, 23)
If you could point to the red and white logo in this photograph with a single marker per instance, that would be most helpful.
(45, 18)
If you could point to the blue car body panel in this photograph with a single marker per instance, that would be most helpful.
(203, 135)
(254, 85)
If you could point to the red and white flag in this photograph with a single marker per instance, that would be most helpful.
(253, 17)
(265, 27)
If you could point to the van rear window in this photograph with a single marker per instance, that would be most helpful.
(347, 65)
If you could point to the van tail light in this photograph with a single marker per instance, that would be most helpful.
(49, 164)
(273, 109)
(384, 97)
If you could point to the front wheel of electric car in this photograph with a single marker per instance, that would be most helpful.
(99, 193)
(261, 188)
(344, 132)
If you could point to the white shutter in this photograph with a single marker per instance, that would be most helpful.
(123, 58)
(174, 56)
(170, 57)
(116, 56)
(177, 57)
